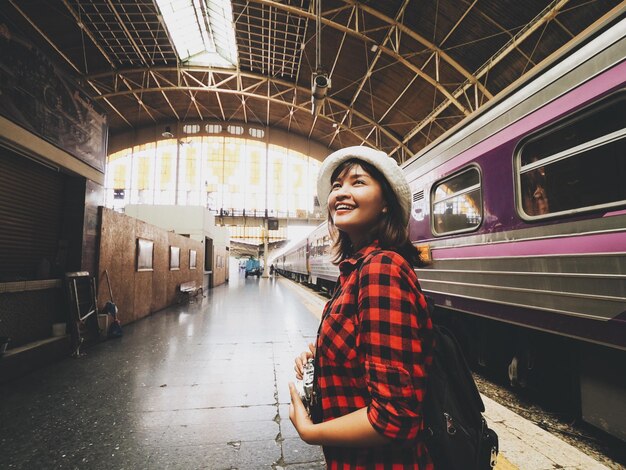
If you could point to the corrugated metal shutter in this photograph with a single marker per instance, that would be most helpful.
(31, 202)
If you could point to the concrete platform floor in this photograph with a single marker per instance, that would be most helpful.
(199, 386)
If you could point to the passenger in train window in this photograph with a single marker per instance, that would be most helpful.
(374, 343)
(534, 192)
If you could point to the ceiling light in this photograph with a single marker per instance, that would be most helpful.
(167, 133)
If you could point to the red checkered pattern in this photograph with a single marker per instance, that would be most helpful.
(373, 349)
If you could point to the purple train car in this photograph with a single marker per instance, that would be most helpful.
(522, 209)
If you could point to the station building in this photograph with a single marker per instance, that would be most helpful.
(133, 174)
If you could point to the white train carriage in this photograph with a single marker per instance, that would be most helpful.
(295, 262)
(323, 273)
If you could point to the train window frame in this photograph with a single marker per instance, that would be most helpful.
(466, 190)
(577, 118)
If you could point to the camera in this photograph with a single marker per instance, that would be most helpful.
(305, 387)
(320, 83)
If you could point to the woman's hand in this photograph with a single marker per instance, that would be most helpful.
(299, 416)
(351, 430)
(301, 360)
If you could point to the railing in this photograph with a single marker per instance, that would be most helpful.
(295, 214)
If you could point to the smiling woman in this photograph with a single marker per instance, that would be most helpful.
(387, 222)
(374, 343)
(356, 200)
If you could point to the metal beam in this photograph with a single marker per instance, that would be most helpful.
(86, 31)
(367, 40)
(548, 14)
(371, 67)
(394, 23)
(122, 24)
(229, 77)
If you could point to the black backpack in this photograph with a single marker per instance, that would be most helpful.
(456, 434)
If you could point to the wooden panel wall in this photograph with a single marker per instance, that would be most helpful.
(220, 265)
(138, 294)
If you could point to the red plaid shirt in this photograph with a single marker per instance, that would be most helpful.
(373, 348)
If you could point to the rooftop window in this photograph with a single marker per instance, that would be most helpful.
(201, 30)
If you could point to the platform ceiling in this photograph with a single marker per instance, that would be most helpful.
(403, 72)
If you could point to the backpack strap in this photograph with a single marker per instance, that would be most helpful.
(464, 373)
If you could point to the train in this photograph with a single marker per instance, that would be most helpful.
(520, 211)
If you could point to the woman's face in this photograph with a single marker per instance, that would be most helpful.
(535, 200)
(356, 203)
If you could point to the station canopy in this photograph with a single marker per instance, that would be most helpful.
(401, 72)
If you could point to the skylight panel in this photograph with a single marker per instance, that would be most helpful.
(201, 30)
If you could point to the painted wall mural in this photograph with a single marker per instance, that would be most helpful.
(39, 96)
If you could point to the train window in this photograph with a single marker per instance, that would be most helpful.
(457, 203)
(577, 165)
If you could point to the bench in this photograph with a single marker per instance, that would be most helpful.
(187, 290)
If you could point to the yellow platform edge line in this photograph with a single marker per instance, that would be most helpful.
(504, 464)
(312, 302)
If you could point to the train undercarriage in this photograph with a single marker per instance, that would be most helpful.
(564, 375)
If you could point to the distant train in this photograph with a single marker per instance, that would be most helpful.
(521, 209)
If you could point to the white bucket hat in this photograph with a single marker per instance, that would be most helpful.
(383, 163)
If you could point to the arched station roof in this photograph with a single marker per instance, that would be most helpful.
(402, 71)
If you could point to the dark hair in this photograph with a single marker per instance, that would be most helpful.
(390, 231)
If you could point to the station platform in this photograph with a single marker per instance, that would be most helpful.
(202, 386)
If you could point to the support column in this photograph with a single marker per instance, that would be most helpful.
(176, 186)
(266, 234)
